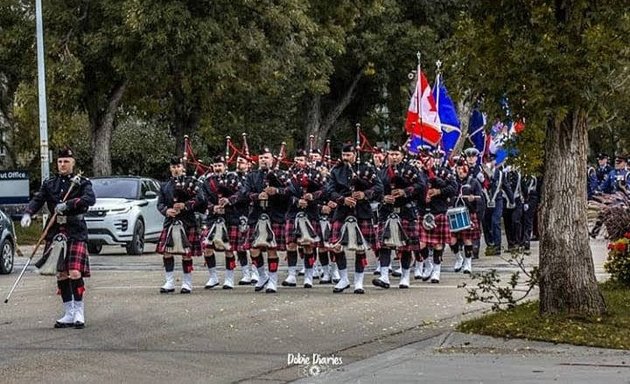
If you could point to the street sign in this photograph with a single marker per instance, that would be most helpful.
(14, 187)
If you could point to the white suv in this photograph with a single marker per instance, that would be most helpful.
(125, 213)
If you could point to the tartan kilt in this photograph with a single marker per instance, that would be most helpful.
(193, 238)
(278, 233)
(365, 226)
(291, 237)
(77, 257)
(472, 234)
(238, 241)
(411, 229)
(441, 234)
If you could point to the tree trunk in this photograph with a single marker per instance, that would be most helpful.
(314, 121)
(320, 127)
(186, 118)
(567, 274)
(102, 128)
(464, 108)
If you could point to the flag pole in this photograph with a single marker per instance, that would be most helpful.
(438, 65)
(419, 94)
(438, 75)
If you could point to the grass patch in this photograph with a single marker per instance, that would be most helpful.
(610, 331)
(30, 235)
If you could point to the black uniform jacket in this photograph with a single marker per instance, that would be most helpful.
(345, 179)
(408, 178)
(81, 197)
(255, 182)
(194, 202)
(301, 182)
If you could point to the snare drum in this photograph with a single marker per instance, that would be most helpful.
(458, 219)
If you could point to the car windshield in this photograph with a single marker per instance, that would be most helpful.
(115, 188)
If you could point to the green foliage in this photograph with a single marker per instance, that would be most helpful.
(489, 289)
(548, 59)
(29, 235)
(217, 68)
(618, 261)
(141, 148)
(524, 321)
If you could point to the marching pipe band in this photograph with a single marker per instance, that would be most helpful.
(397, 207)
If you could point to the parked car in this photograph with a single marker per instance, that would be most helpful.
(7, 244)
(125, 213)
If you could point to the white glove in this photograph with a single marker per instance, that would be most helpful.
(26, 220)
(525, 207)
(60, 208)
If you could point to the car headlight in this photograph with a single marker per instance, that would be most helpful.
(120, 211)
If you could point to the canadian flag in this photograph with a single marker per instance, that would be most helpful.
(426, 123)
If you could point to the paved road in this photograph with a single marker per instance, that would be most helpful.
(134, 334)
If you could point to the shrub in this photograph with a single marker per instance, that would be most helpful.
(618, 262)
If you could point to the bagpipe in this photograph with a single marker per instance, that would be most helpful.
(309, 180)
(400, 176)
(363, 176)
(54, 258)
(224, 186)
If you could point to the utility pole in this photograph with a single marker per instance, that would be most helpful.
(41, 84)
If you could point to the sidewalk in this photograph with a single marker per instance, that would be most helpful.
(453, 357)
(461, 358)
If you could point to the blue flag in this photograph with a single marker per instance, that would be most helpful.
(451, 130)
(415, 142)
(476, 133)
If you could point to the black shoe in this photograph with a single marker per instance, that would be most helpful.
(185, 291)
(380, 283)
(434, 281)
(227, 287)
(210, 286)
(253, 282)
(285, 284)
(403, 286)
(79, 325)
(300, 273)
(377, 273)
(162, 290)
(336, 280)
(260, 288)
(339, 290)
(306, 285)
(359, 291)
(63, 325)
(396, 274)
(269, 290)
(325, 281)
(241, 282)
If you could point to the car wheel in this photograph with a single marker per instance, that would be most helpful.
(95, 249)
(6, 257)
(136, 247)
